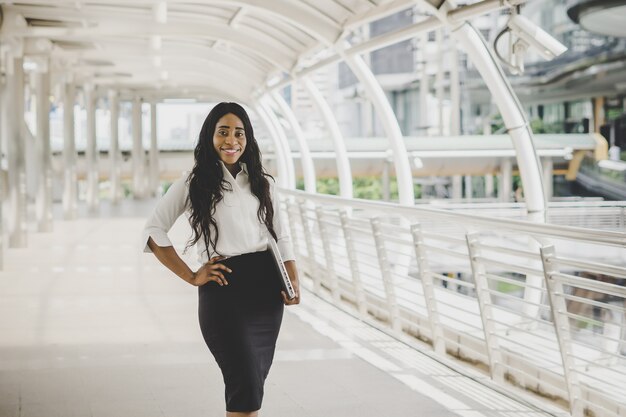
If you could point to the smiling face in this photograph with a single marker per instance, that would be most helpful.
(229, 139)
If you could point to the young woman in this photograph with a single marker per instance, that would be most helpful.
(231, 205)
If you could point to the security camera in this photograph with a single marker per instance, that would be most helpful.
(546, 45)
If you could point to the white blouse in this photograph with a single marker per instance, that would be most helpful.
(236, 217)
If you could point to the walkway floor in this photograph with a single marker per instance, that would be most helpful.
(90, 326)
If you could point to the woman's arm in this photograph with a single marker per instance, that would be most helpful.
(208, 272)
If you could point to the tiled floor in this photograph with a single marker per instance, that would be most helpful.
(90, 326)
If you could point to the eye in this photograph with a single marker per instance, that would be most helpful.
(240, 134)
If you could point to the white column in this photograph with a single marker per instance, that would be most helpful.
(424, 86)
(548, 177)
(457, 187)
(308, 168)
(505, 183)
(455, 92)
(281, 139)
(43, 202)
(279, 152)
(154, 151)
(488, 185)
(70, 176)
(115, 157)
(13, 107)
(343, 164)
(439, 80)
(510, 109)
(138, 151)
(390, 124)
(91, 151)
(385, 180)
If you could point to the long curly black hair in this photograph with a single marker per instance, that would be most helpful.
(206, 180)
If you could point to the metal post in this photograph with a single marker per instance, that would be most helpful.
(510, 109)
(385, 180)
(457, 187)
(281, 139)
(562, 329)
(91, 151)
(308, 168)
(424, 86)
(359, 292)
(390, 124)
(13, 107)
(387, 277)
(489, 185)
(439, 80)
(332, 279)
(343, 163)
(70, 176)
(43, 203)
(548, 177)
(138, 153)
(308, 237)
(486, 311)
(115, 157)
(455, 92)
(279, 152)
(428, 288)
(154, 151)
(505, 184)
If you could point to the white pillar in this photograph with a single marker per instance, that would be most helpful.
(279, 152)
(115, 157)
(70, 176)
(439, 79)
(505, 183)
(343, 164)
(13, 107)
(91, 151)
(281, 138)
(138, 153)
(385, 180)
(455, 92)
(393, 132)
(424, 86)
(154, 151)
(308, 168)
(548, 177)
(43, 202)
(457, 187)
(511, 110)
(488, 185)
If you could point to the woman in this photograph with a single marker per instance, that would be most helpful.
(231, 205)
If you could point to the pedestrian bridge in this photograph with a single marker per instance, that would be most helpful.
(449, 308)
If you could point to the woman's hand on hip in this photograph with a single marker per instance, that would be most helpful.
(211, 271)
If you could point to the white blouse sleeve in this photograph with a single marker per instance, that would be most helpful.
(168, 209)
(281, 229)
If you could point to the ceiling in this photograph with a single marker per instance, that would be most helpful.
(179, 48)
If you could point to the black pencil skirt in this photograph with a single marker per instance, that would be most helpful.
(240, 323)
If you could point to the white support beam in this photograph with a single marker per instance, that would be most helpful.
(115, 157)
(390, 124)
(70, 176)
(91, 149)
(138, 153)
(279, 152)
(308, 168)
(154, 151)
(343, 163)
(13, 121)
(43, 202)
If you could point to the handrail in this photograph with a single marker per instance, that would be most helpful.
(540, 229)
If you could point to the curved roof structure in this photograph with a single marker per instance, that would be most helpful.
(210, 49)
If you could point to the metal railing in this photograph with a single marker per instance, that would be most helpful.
(542, 306)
